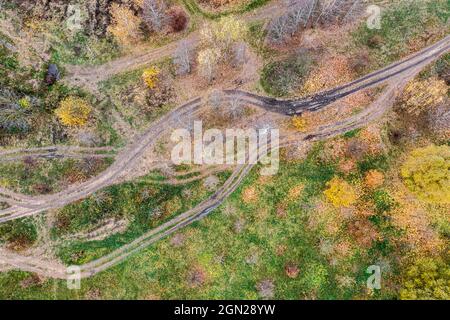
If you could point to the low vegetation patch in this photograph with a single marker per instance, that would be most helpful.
(402, 25)
(144, 204)
(18, 235)
(35, 177)
(282, 78)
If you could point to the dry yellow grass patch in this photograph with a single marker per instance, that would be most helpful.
(300, 123)
(263, 214)
(250, 195)
(373, 179)
(295, 192)
(280, 249)
(281, 210)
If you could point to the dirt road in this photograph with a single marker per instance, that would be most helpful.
(130, 156)
(395, 76)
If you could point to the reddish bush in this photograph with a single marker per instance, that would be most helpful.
(196, 277)
(177, 19)
(291, 270)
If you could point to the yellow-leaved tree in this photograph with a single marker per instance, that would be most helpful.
(73, 112)
(217, 41)
(151, 76)
(125, 26)
(420, 95)
(427, 279)
(207, 62)
(340, 193)
(299, 123)
(223, 33)
(426, 173)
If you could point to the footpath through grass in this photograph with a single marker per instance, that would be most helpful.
(243, 250)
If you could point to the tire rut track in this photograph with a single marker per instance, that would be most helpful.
(396, 80)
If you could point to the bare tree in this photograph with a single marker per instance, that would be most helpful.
(215, 99)
(357, 9)
(239, 53)
(280, 29)
(439, 119)
(338, 11)
(235, 107)
(298, 14)
(182, 57)
(298, 17)
(301, 13)
(154, 14)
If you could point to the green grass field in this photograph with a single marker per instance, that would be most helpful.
(226, 255)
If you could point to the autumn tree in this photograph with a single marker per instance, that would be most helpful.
(426, 173)
(363, 232)
(154, 14)
(207, 61)
(125, 26)
(182, 57)
(239, 53)
(420, 95)
(340, 193)
(177, 19)
(215, 99)
(218, 40)
(427, 279)
(280, 29)
(150, 76)
(223, 34)
(299, 123)
(73, 112)
(24, 103)
(160, 90)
